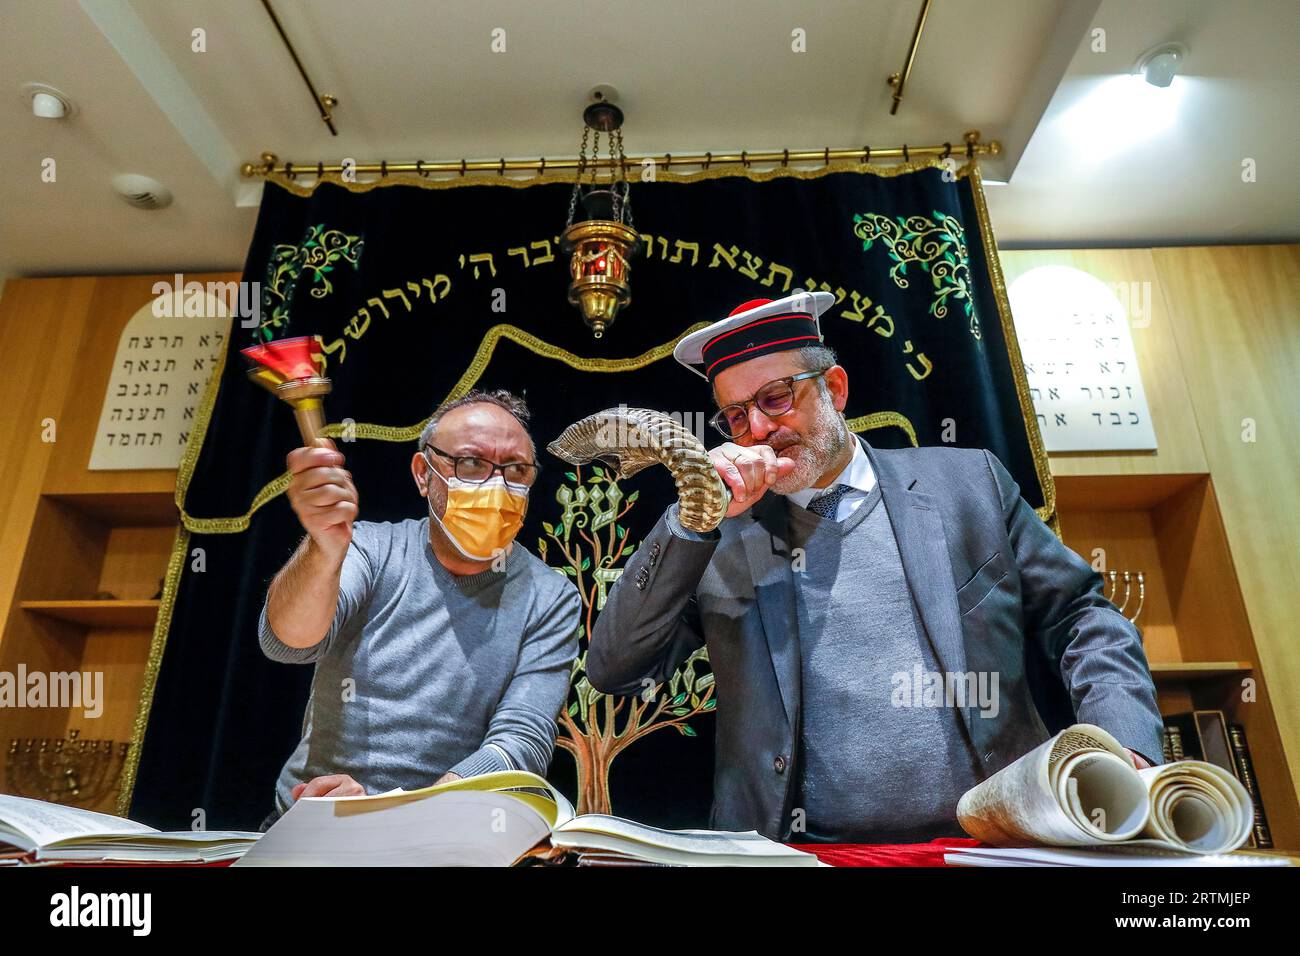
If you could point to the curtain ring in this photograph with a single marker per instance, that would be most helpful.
(462, 166)
(970, 150)
(542, 171)
(708, 158)
(288, 170)
(866, 154)
(826, 156)
(906, 158)
(785, 156)
(503, 166)
(947, 150)
(668, 160)
(744, 158)
(320, 170)
(383, 168)
(419, 171)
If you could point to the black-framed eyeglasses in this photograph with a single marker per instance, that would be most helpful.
(477, 470)
(774, 399)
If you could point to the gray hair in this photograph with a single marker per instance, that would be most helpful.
(818, 356)
(499, 397)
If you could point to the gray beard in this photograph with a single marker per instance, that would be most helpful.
(819, 448)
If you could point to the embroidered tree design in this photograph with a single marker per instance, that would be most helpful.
(589, 544)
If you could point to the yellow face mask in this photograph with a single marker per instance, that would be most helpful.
(481, 518)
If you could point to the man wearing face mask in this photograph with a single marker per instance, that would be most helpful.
(442, 648)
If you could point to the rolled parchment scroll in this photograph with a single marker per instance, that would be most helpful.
(1079, 789)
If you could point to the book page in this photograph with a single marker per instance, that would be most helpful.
(749, 843)
(37, 823)
(459, 827)
(550, 804)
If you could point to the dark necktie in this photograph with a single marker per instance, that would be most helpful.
(827, 504)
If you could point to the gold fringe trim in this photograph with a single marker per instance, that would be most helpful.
(884, 420)
(661, 175)
(477, 366)
(162, 624)
(1041, 464)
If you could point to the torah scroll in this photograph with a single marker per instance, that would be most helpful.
(1079, 789)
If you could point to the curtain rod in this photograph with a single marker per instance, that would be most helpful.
(971, 147)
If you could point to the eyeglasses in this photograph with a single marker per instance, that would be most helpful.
(773, 400)
(477, 470)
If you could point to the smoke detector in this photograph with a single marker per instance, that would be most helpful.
(142, 192)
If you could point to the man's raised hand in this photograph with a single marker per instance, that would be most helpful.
(322, 495)
(748, 472)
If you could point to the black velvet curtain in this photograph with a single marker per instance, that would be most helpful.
(419, 291)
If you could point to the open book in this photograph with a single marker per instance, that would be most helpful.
(489, 820)
(49, 832)
(1079, 789)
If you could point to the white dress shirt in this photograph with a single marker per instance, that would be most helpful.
(858, 475)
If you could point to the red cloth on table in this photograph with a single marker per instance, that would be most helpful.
(895, 854)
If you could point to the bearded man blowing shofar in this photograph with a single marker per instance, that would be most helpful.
(839, 572)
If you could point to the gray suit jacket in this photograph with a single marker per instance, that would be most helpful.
(986, 574)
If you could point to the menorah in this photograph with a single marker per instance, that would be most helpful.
(71, 771)
(1129, 578)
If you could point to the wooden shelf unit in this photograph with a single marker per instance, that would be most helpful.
(1195, 629)
(90, 548)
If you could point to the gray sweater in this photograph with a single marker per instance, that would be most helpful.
(870, 771)
(424, 671)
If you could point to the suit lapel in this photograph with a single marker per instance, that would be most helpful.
(766, 540)
(923, 548)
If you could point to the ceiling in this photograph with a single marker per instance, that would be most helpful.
(1089, 157)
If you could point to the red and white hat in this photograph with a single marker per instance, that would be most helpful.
(754, 328)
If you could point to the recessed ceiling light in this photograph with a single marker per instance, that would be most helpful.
(1161, 64)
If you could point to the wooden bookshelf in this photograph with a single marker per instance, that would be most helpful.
(1218, 622)
(90, 547)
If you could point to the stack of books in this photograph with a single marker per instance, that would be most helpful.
(1206, 735)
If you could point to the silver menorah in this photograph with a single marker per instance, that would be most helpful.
(1129, 578)
(69, 770)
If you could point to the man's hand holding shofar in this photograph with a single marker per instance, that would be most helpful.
(748, 472)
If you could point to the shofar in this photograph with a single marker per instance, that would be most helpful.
(631, 439)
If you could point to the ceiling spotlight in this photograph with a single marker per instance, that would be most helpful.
(1160, 65)
(46, 102)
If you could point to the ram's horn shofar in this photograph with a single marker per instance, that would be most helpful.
(630, 439)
